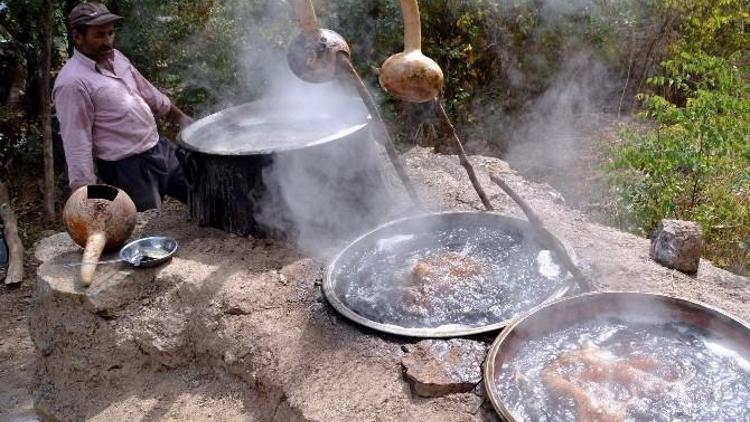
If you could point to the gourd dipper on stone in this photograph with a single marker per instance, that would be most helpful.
(410, 75)
(99, 218)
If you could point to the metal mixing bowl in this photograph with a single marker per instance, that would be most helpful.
(149, 251)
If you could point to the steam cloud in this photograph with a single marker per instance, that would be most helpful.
(547, 138)
(551, 137)
(546, 135)
(321, 195)
(332, 191)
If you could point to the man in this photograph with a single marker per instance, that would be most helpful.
(106, 110)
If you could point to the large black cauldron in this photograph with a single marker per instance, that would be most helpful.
(282, 169)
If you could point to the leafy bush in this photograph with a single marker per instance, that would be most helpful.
(716, 27)
(497, 57)
(694, 164)
(20, 144)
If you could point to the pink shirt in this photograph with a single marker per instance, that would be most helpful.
(103, 114)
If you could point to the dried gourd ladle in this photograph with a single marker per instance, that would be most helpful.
(410, 75)
(312, 55)
(100, 218)
(316, 55)
(413, 77)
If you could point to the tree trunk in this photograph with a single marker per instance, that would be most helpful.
(15, 247)
(46, 113)
(68, 6)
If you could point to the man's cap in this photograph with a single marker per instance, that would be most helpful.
(91, 14)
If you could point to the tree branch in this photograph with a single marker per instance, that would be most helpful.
(15, 247)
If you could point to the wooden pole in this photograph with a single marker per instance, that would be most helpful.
(46, 113)
(538, 225)
(15, 247)
(440, 111)
(384, 137)
(306, 19)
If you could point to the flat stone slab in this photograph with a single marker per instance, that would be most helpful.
(437, 368)
(241, 324)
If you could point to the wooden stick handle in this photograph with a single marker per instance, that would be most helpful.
(384, 137)
(307, 21)
(538, 225)
(462, 154)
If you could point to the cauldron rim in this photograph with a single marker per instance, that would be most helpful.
(214, 117)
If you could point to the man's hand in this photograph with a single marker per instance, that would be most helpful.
(185, 121)
(178, 116)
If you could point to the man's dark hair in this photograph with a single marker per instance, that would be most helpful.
(81, 29)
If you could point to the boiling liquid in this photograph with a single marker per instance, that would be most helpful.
(515, 275)
(691, 376)
(274, 125)
(254, 135)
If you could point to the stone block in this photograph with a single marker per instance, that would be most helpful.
(678, 244)
(436, 368)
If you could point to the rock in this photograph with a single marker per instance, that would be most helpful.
(162, 334)
(114, 286)
(678, 244)
(436, 368)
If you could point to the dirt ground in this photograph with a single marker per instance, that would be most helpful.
(17, 366)
(16, 354)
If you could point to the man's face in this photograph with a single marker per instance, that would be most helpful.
(98, 41)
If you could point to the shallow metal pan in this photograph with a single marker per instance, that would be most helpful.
(520, 390)
(374, 260)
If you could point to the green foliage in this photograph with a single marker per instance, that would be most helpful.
(694, 164)
(496, 56)
(20, 141)
(193, 49)
(20, 32)
(716, 27)
(154, 36)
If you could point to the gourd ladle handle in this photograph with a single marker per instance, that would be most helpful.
(308, 22)
(536, 223)
(412, 26)
(91, 253)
